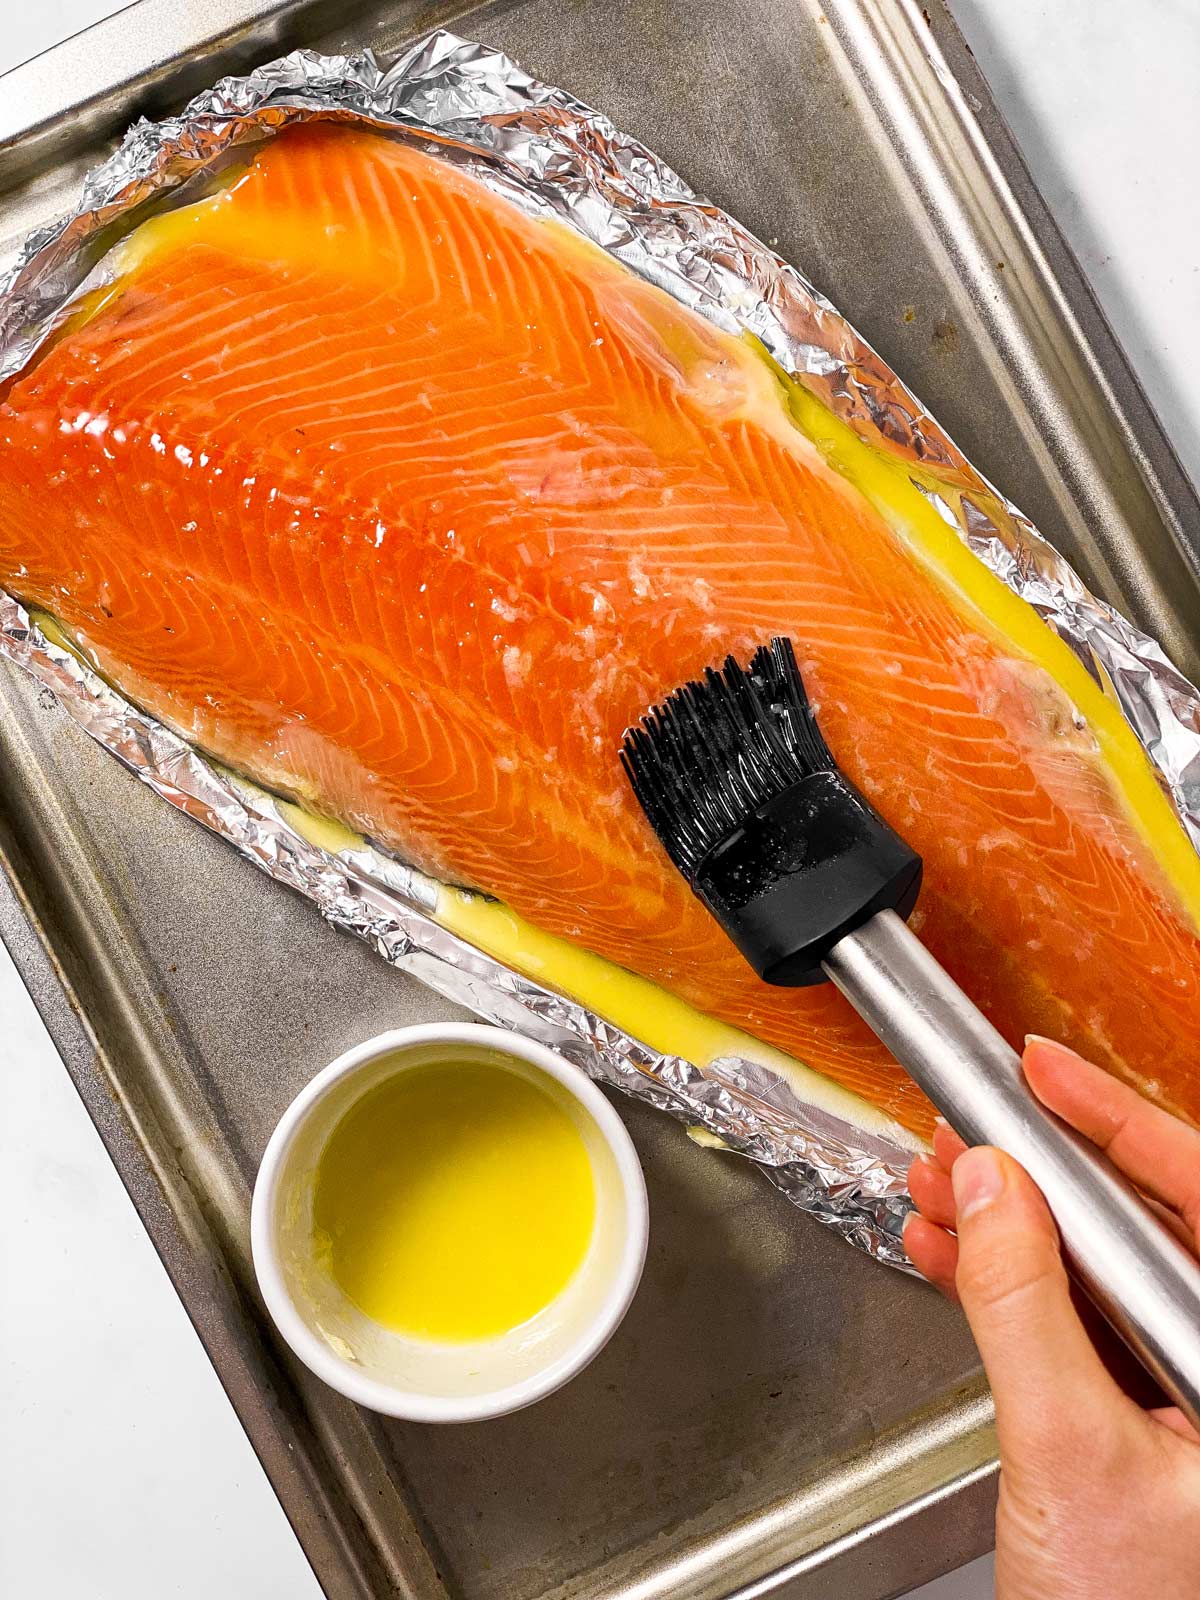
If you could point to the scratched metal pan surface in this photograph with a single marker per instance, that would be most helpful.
(778, 1415)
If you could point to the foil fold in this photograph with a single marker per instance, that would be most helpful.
(553, 156)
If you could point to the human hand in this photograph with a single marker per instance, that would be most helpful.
(1099, 1499)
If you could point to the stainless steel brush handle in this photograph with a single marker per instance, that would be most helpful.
(1137, 1272)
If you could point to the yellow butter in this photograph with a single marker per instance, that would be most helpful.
(637, 1006)
(454, 1201)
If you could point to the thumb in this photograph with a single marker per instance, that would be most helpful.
(1046, 1377)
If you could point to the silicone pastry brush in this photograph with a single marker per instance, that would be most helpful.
(812, 884)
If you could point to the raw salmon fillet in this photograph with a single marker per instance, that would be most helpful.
(406, 504)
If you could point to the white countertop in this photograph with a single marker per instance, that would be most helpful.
(112, 1414)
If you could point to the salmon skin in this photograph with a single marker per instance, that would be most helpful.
(406, 505)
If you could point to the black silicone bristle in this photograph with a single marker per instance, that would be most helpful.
(718, 749)
(735, 778)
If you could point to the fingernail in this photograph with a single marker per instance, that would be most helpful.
(1050, 1044)
(978, 1180)
(940, 1122)
(913, 1216)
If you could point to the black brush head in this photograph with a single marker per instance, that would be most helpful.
(716, 750)
(738, 783)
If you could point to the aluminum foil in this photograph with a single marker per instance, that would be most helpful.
(553, 156)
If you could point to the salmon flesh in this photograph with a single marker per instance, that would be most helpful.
(406, 504)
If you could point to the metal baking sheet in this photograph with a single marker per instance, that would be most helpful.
(821, 1427)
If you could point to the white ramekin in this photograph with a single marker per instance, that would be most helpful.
(416, 1379)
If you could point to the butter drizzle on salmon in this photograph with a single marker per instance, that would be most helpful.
(407, 505)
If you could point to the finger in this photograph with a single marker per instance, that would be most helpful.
(1157, 1151)
(1172, 1221)
(933, 1252)
(947, 1146)
(1045, 1375)
(1174, 1420)
(932, 1191)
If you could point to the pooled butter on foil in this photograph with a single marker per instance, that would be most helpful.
(555, 157)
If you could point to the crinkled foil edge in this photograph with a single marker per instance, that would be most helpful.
(554, 156)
